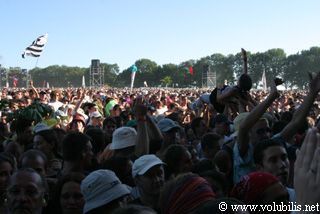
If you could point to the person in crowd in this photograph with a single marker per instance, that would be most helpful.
(169, 130)
(148, 174)
(7, 167)
(184, 194)
(76, 153)
(261, 188)
(67, 197)
(26, 192)
(103, 192)
(178, 161)
(210, 145)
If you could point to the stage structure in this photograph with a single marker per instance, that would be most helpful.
(96, 74)
(209, 77)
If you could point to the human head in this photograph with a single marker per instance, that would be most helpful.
(7, 166)
(26, 192)
(78, 123)
(96, 119)
(210, 144)
(178, 160)
(170, 131)
(245, 82)
(255, 188)
(260, 131)
(76, 147)
(185, 193)
(271, 156)
(68, 198)
(148, 174)
(47, 142)
(24, 131)
(122, 167)
(220, 124)
(36, 160)
(102, 190)
(97, 139)
(124, 141)
(199, 126)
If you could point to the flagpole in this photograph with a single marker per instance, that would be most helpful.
(37, 62)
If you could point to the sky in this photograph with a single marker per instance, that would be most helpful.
(164, 31)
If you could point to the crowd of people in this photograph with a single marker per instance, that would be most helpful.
(159, 150)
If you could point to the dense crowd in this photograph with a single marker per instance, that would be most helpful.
(159, 150)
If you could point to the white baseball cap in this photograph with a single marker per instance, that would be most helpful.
(144, 163)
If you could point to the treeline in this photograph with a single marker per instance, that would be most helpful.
(293, 69)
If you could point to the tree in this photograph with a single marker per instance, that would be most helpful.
(167, 80)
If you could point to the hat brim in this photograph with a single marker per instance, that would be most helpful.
(103, 199)
(149, 166)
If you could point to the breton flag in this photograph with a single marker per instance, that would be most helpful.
(35, 49)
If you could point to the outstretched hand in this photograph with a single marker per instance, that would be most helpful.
(307, 170)
(273, 87)
(139, 109)
(314, 83)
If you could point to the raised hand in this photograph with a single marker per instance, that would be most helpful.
(273, 87)
(139, 109)
(314, 83)
(307, 170)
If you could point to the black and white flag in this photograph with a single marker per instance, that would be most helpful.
(35, 49)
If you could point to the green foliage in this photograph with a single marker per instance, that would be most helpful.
(35, 112)
(293, 69)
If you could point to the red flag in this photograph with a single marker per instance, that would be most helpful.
(191, 70)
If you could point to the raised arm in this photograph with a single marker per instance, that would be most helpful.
(302, 112)
(142, 142)
(252, 118)
(34, 90)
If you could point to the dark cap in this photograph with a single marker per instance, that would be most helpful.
(43, 92)
(220, 118)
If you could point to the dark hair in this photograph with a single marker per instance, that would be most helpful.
(245, 82)
(260, 147)
(73, 144)
(209, 139)
(216, 176)
(6, 157)
(21, 125)
(203, 166)
(76, 177)
(98, 139)
(33, 154)
(51, 137)
(172, 157)
(118, 165)
(195, 122)
(107, 120)
(43, 181)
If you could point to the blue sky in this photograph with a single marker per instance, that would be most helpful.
(165, 31)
